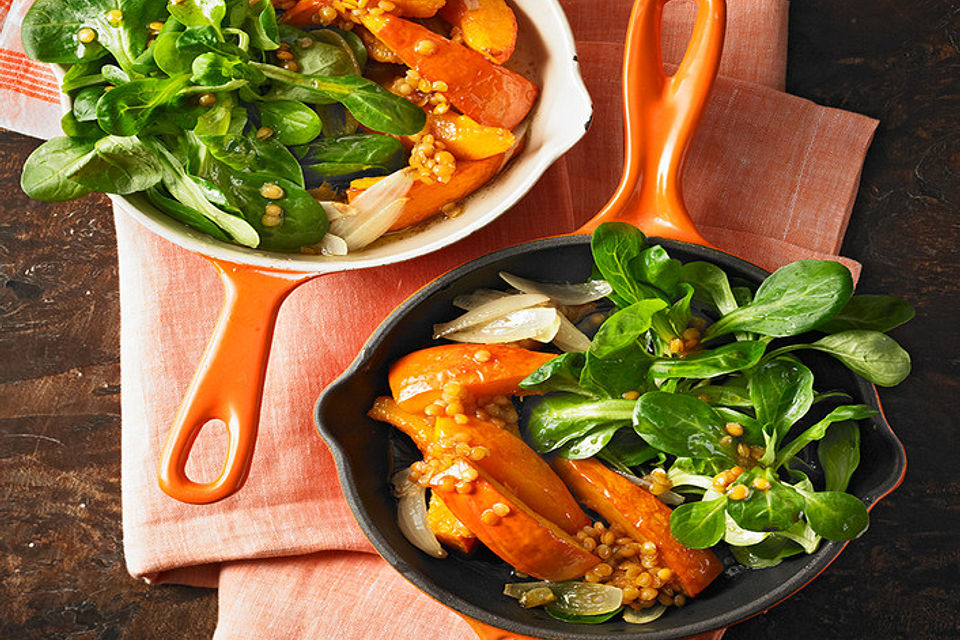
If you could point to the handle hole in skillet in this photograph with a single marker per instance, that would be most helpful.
(676, 31)
(209, 451)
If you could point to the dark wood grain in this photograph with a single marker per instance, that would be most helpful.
(61, 565)
(61, 554)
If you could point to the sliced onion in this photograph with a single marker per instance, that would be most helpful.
(643, 616)
(568, 294)
(586, 598)
(679, 478)
(671, 498)
(412, 514)
(574, 597)
(569, 338)
(331, 245)
(468, 301)
(537, 323)
(357, 235)
(737, 536)
(373, 212)
(667, 497)
(517, 589)
(336, 210)
(486, 312)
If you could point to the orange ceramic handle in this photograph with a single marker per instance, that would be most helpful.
(228, 384)
(486, 632)
(661, 114)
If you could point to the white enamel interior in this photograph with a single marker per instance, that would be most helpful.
(545, 54)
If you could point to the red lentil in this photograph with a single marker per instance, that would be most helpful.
(734, 429)
(489, 517)
(739, 492)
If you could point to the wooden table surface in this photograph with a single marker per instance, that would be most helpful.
(61, 562)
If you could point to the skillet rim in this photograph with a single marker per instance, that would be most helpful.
(807, 569)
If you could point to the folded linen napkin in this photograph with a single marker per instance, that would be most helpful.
(771, 177)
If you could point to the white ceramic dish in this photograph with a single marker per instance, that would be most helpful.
(546, 55)
(258, 281)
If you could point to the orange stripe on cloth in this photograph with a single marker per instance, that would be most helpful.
(36, 73)
(25, 79)
(4, 9)
(15, 82)
(15, 87)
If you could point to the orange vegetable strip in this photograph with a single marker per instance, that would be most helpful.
(419, 428)
(301, 14)
(466, 138)
(417, 379)
(488, 26)
(415, 8)
(426, 200)
(449, 531)
(522, 538)
(642, 515)
(488, 93)
(518, 468)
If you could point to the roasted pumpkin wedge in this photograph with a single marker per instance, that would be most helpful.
(449, 531)
(509, 460)
(426, 200)
(487, 92)
(509, 528)
(518, 468)
(488, 26)
(418, 378)
(420, 428)
(642, 515)
(466, 138)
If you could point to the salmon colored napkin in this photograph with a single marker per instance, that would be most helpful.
(771, 177)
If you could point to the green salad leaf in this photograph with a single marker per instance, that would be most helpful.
(187, 103)
(794, 299)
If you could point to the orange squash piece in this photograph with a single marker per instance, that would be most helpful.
(464, 137)
(358, 185)
(521, 537)
(420, 428)
(510, 461)
(642, 515)
(449, 531)
(518, 468)
(488, 26)
(487, 92)
(417, 379)
(417, 8)
(375, 48)
(301, 14)
(426, 200)
(467, 139)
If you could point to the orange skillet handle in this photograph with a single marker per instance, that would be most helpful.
(486, 632)
(661, 114)
(228, 384)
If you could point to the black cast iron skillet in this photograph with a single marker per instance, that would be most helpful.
(364, 450)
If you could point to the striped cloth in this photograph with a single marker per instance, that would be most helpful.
(286, 554)
(29, 95)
